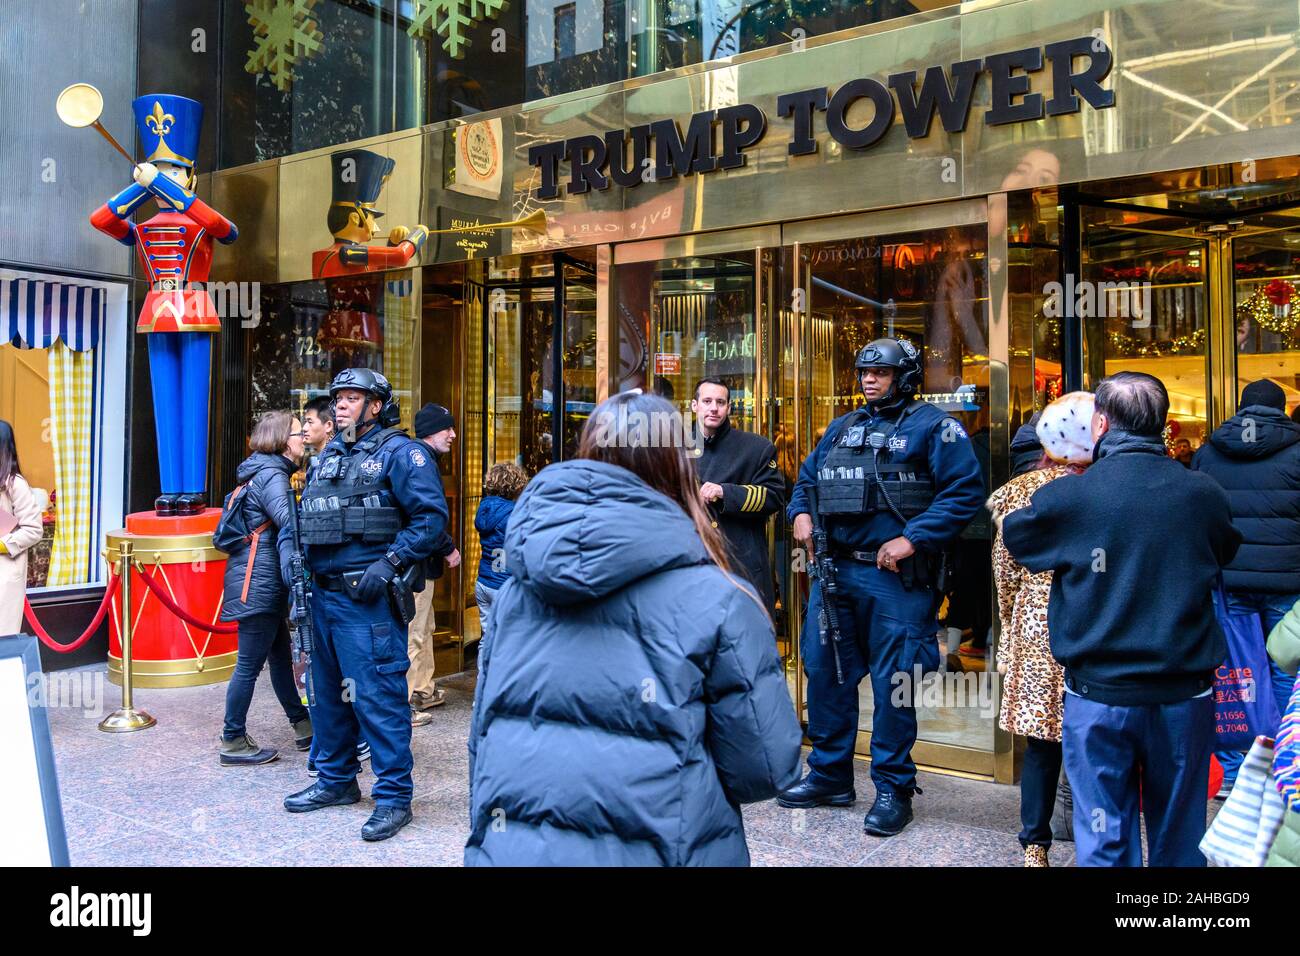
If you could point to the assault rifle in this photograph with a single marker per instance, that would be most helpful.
(302, 634)
(823, 570)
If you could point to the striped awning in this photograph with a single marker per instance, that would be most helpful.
(35, 313)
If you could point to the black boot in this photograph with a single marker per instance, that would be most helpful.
(807, 794)
(165, 506)
(385, 822)
(318, 797)
(191, 503)
(889, 814)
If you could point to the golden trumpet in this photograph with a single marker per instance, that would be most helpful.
(534, 222)
(81, 105)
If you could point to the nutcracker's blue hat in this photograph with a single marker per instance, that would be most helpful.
(169, 127)
(359, 176)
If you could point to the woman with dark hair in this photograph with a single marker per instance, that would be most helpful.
(630, 698)
(254, 532)
(20, 528)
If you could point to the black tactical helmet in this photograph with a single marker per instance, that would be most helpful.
(372, 383)
(898, 354)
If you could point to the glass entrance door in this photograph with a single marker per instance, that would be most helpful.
(1204, 304)
(1144, 302)
(540, 320)
(921, 275)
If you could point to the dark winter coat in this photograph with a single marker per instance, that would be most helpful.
(266, 497)
(1255, 457)
(490, 521)
(1136, 543)
(629, 695)
(753, 489)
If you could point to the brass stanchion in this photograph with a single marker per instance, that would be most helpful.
(126, 718)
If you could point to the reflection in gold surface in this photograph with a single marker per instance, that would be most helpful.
(1181, 102)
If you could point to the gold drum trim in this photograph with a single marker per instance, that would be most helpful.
(182, 673)
(166, 549)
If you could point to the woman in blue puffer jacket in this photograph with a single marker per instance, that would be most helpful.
(501, 488)
(630, 697)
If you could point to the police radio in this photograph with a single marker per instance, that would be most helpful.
(877, 441)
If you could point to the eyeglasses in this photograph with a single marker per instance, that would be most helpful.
(301, 434)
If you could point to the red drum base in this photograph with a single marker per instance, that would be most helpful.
(177, 553)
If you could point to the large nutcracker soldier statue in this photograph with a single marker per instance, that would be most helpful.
(175, 249)
(172, 544)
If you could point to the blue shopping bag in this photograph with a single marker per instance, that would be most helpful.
(1244, 705)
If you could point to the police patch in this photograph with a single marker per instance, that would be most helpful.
(372, 466)
(418, 459)
(952, 430)
(898, 443)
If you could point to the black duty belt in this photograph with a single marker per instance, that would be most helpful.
(337, 582)
(866, 557)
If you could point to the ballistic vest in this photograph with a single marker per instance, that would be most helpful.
(350, 497)
(854, 478)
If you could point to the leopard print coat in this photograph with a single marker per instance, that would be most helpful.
(1033, 683)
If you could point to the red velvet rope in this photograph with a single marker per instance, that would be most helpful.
(183, 614)
(54, 645)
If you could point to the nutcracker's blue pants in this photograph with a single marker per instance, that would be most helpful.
(180, 365)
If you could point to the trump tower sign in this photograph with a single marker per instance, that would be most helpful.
(660, 151)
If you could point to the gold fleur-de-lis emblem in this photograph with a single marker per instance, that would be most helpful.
(159, 123)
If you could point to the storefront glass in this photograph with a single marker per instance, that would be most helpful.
(62, 370)
(702, 319)
(1144, 303)
(1267, 310)
(362, 68)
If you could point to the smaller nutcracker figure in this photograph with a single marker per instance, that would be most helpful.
(179, 316)
(359, 176)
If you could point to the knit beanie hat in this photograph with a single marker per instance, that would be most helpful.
(1264, 392)
(1066, 429)
(432, 419)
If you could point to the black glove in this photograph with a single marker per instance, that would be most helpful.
(374, 582)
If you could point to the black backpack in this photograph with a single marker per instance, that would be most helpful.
(232, 530)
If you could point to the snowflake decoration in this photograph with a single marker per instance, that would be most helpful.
(450, 19)
(282, 34)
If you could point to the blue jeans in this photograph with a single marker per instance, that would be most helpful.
(1110, 751)
(1271, 609)
(359, 666)
(263, 638)
(886, 630)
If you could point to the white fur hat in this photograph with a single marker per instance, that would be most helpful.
(1065, 429)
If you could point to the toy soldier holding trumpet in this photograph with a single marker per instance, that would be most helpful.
(175, 249)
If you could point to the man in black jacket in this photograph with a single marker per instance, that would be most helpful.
(1136, 543)
(1255, 456)
(739, 484)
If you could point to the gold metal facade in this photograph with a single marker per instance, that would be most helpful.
(1177, 69)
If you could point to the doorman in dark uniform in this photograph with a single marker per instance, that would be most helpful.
(739, 484)
(895, 482)
(372, 512)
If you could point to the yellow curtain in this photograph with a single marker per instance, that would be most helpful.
(399, 340)
(71, 397)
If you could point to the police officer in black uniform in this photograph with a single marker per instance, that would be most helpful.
(895, 482)
(739, 484)
(372, 512)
